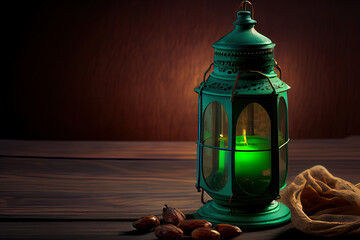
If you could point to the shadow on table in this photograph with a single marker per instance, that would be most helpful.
(290, 233)
(139, 233)
(132, 233)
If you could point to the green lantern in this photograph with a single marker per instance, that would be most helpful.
(243, 131)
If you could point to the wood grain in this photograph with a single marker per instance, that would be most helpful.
(127, 188)
(45, 196)
(114, 230)
(99, 149)
(100, 189)
(125, 70)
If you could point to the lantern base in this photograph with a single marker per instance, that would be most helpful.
(273, 215)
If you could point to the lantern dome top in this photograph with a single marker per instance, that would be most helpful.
(243, 49)
(244, 36)
(243, 52)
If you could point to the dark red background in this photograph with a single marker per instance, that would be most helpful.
(125, 70)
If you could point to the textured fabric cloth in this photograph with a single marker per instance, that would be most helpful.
(322, 204)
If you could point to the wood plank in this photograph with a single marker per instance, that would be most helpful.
(99, 149)
(99, 230)
(95, 188)
(114, 230)
(328, 148)
(112, 189)
(127, 189)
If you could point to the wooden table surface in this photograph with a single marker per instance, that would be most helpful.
(94, 190)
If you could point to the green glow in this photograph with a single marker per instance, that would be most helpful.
(252, 169)
(221, 157)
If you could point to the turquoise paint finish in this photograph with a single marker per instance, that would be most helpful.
(243, 49)
(244, 36)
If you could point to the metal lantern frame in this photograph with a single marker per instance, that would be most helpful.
(243, 74)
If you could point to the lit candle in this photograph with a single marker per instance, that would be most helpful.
(221, 155)
(252, 162)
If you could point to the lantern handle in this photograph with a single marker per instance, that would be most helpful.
(201, 86)
(243, 7)
(278, 67)
(250, 71)
(204, 80)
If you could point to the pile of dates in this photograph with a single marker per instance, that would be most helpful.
(173, 225)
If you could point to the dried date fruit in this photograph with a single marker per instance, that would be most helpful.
(160, 217)
(146, 223)
(227, 230)
(204, 233)
(172, 215)
(168, 232)
(188, 225)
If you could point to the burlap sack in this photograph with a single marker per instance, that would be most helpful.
(322, 204)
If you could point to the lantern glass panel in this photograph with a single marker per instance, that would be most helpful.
(253, 149)
(282, 121)
(283, 137)
(215, 138)
(216, 126)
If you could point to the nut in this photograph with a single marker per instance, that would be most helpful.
(172, 215)
(204, 233)
(146, 223)
(168, 232)
(227, 230)
(188, 225)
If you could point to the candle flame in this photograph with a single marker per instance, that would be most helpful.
(244, 134)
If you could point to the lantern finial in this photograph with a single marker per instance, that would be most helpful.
(243, 7)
